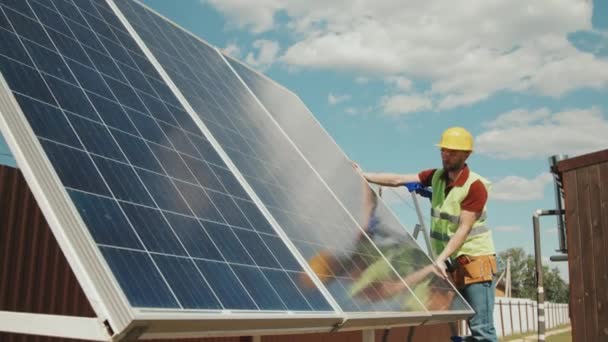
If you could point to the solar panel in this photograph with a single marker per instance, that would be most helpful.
(333, 166)
(323, 231)
(177, 192)
(170, 219)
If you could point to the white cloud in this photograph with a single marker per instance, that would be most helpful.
(540, 133)
(266, 56)
(515, 188)
(402, 104)
(399, 82)
(257, 16)
(335, 99)
(351, 111)
(232, 50)
(465, 53)
(508, 229)
(519, 118)
(361, 111)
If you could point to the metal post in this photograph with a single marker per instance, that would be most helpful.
(540, 291)
(427, 238)
(561, 229)
(508, 278)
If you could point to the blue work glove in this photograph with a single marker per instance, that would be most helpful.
(419, 189)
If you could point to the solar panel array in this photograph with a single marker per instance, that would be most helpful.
(287, 185)
(204, 185)
(171, 220)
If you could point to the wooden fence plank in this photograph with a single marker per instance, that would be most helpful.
(574, 256)
(587, 256)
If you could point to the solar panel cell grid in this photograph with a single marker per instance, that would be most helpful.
(125, 151)
(292, 191)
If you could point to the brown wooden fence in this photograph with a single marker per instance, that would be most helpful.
(585, 180)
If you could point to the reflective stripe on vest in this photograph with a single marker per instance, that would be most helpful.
(445, 237)
(452, 218)
(445, 218)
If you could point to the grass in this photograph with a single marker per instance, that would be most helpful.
(514, 337)
(563, 337)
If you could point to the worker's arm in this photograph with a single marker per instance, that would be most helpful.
(387, 179)
(390, 179)
(467, 218)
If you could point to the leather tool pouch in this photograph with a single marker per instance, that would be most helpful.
(474, 270)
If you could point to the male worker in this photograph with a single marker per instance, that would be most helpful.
(458, 231)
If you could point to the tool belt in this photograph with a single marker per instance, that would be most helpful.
(473, 269)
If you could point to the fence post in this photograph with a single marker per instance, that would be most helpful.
(502, 321)
(554, 315)
(521, 326)
(533, 318)
(547, 316)
(527, 319)
(511, 315)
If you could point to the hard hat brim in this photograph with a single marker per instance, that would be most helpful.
(452, 147)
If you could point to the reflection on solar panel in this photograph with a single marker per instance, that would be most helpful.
(174, 193)
(291, 190)
(171, 220)
(336, 170)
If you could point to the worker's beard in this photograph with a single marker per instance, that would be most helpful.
(453, 165)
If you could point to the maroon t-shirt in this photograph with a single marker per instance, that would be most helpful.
(474, 201)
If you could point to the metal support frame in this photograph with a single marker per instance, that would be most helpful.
(73, 327)
(561, 227)
(421, 226)
(540, 291)
(559, 257)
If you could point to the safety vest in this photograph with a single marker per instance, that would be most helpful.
(445, 218)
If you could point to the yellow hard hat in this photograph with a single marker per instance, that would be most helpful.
(456, 138)
(321, 265)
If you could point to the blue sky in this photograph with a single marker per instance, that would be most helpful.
(385, 78)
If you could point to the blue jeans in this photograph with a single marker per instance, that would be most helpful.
(481, 298)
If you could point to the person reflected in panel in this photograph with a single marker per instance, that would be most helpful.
(373, 279)
(378, 282)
